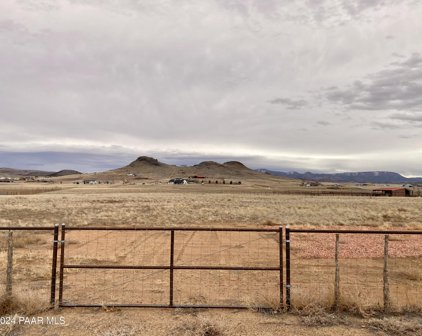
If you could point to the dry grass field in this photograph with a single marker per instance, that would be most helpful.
(203, 205)
(246, 206)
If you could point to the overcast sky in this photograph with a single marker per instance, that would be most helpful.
(321, 85)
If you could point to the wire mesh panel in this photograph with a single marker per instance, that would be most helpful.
(245, 285)
(227, 288)
(30, 263)
(405, 271)
(170, 267)
(113, 247)
(365, 270)
(105, 267)
(243, 249)
(106, 287)
(312, 268)
(361, 264)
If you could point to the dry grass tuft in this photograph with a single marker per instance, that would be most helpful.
(265, 304)
(110, 309)
(8, 305)
(396, 326)
(22, 241)
(360, 310)
(318, 316)
(270, 223)
(13, 304)
(411, 309)
(120, 331)
(197, 327)
(8, 330)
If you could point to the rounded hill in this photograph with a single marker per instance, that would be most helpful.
(146, 160)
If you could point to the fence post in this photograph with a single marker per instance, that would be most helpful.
(171, 266)
(288, 300)
(61, 264)
(337, 277)
(9, 271)
(54, 265)
(280, 244)
(387, 302)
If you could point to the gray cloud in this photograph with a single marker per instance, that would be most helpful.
(397, 88)
(55, 161)
(313, 12)
(291, 104)
(382, 125)
(407, 117)
(161, 76)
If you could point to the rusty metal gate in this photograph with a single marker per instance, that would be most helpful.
(171, 267)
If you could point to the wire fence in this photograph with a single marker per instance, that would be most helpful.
(28, 258)
(361, 269)
(213, 267)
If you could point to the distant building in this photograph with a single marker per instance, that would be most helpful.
(397, 192)
(178, 181)
(311, 184)
(90, 182)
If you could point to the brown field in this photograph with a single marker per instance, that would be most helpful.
(213, 206)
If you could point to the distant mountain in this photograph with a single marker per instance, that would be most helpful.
(65, 172)
(358, 177)
(150, 168)
(13, 173)
(146, 161)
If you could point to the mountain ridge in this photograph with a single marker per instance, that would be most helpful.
(15, 173)
(357, 177)
(152, 168)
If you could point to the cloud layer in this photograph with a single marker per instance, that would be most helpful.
(215, 78)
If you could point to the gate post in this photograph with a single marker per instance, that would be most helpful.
(61, 264)
(387, 300)
(337, 275)
(9, 270)
(280, 245)
(54, 265)
(288, 299)
(171, 266)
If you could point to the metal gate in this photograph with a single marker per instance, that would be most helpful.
(171, 267)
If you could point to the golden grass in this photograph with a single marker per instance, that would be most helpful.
(247, 207)
(24, 305)
(197, 327)
(146, 206)
(28, 189)
(395, 326)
